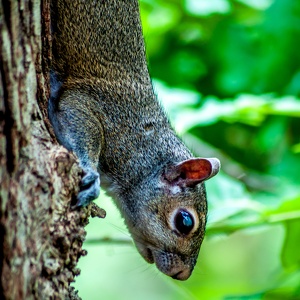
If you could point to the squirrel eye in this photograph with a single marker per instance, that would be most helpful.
(184, 222)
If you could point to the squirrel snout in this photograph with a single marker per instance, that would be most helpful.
(168, 263)
(182, 275)
(172, 264)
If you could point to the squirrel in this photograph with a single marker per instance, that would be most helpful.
(103, 108)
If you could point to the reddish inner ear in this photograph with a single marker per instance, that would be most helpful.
(189, 172)
(195, 169)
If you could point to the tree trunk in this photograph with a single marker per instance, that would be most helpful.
(41, 236)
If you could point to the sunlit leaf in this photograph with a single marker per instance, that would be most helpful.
(204, 8)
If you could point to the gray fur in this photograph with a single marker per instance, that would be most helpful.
(103, 108)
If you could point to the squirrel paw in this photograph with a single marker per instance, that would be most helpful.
(89, 188)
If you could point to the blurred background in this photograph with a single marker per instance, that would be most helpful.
(228, 75)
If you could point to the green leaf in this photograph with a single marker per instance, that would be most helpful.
(290, 252)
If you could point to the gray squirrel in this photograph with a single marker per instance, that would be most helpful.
(104, 109)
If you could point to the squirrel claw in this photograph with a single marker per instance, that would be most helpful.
(89, 179)
(89, 189)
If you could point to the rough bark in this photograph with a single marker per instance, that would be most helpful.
(41, 236)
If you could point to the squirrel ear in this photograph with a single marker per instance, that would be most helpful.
(192, 171)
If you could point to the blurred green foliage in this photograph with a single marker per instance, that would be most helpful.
(228, 74)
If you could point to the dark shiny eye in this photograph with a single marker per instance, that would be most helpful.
(184, 222)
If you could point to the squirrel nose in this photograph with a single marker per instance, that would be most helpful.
(182, 275)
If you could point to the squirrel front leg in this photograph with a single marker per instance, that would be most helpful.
(79, 130)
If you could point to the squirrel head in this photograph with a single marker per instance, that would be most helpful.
(168, 222)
